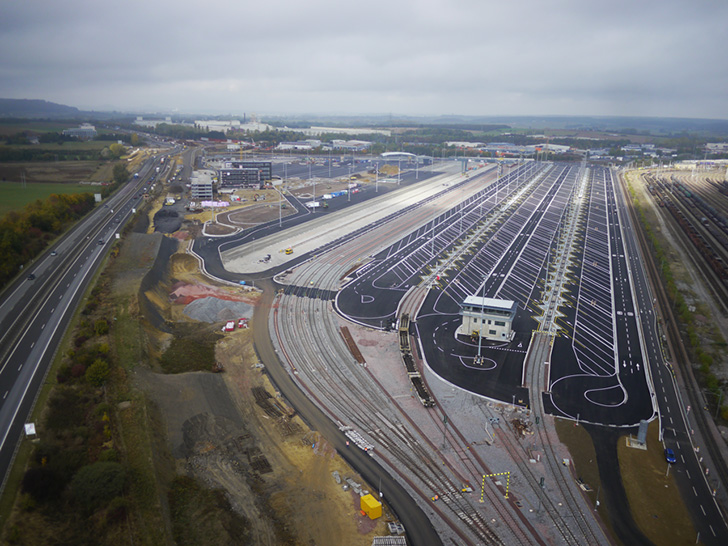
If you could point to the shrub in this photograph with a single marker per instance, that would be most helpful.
(97, 372)
(42, 483)
(66, 409)
(109, 455)
(95, 485)
(78, 370)
(101, 327)
(64, 373)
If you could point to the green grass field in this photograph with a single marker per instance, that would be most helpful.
(13, 196)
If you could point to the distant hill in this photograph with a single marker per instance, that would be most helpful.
(32, 108)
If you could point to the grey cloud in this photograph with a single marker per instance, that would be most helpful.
(401, 56)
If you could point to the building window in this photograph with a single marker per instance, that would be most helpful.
(500, 323)
(492, 332)
(475, 321)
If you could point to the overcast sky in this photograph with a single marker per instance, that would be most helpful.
(406, 57)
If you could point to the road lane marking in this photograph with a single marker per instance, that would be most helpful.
(20, 367)
(5, 395)
(694, 491)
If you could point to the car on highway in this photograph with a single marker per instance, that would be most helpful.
(670, 456)
(54, 253)
(101, 241)
(31, 277)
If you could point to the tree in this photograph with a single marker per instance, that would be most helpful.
(134, 139)
(117, 150)
(121, 173)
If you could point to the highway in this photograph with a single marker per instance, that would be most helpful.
(34, 314)
(676, 424)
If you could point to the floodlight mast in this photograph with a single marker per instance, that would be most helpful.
(479, 358)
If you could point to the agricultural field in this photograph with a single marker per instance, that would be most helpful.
(44, 179)
(13, 196)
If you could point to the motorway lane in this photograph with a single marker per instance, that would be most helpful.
(29, 351)
(689, 473)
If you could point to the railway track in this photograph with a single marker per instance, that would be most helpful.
(338, 388)
(679, 352)
(322, 365)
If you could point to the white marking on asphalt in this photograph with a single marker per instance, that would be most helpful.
(5, 395)
(694, 491)
(20, 367)
(703, 509)
(32, 345)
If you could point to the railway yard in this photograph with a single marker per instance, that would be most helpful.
(364, 322)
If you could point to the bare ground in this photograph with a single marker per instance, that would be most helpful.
(231, 431)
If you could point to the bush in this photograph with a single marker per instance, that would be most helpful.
(109, 455)
(97, 372)
(78, 370)
(64, 373)
(42, 483)
(66, 409)
(101, 327)
(95, 485)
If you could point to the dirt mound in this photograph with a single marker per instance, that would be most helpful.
(213, 309)
(167, 221)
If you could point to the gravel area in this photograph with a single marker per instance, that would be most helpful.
(216, 310)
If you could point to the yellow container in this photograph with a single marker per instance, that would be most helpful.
(371, 507)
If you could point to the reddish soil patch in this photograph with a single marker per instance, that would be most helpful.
(183, 293)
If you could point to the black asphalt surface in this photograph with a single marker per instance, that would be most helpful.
(597, 372)
(209, 248)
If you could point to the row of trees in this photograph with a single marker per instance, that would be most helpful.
(26, 233)
(75, 473)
